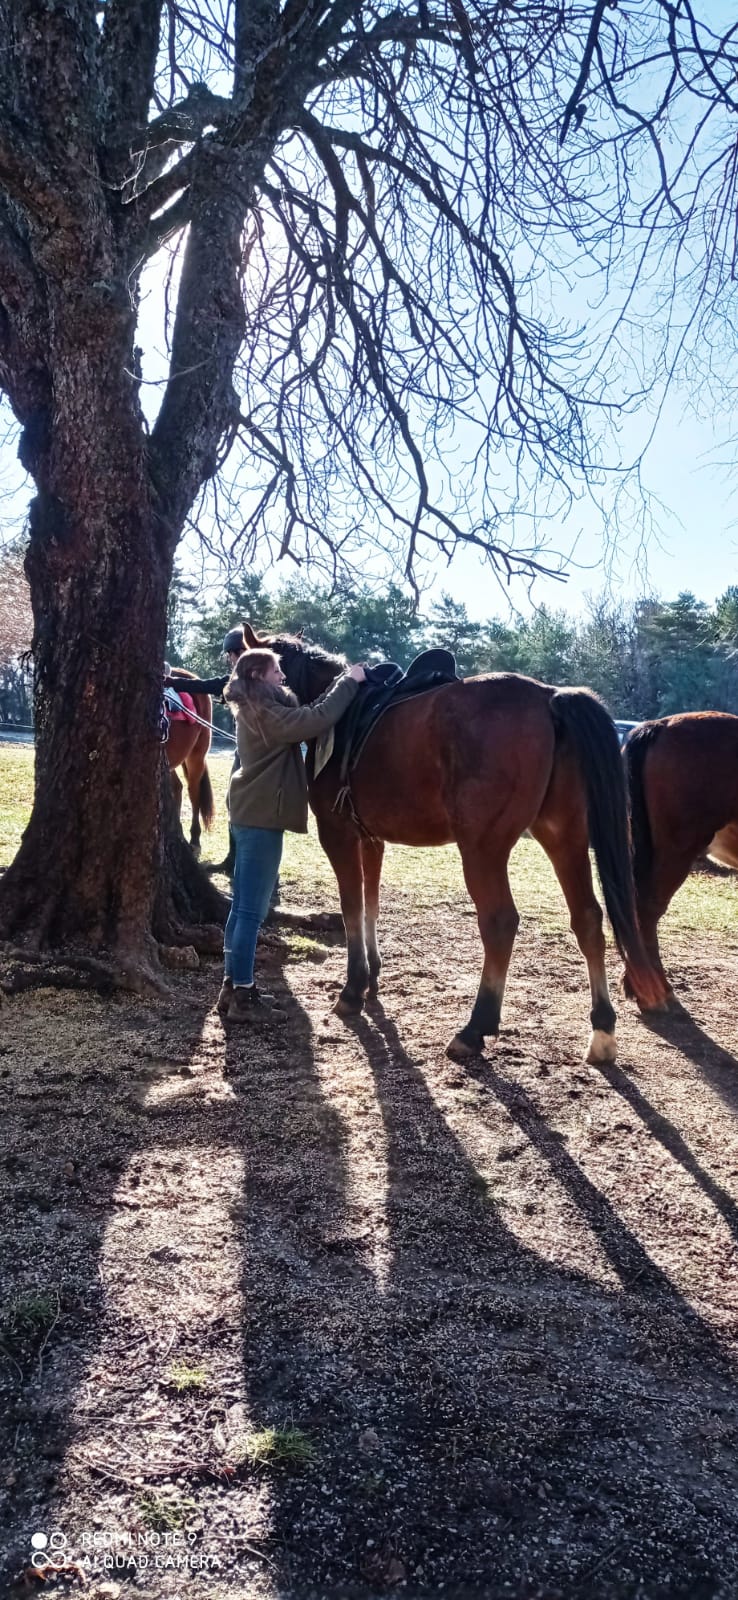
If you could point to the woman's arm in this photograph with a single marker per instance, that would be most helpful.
(292, 724)
(183, 680)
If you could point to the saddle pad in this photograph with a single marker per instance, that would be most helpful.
(186, 713)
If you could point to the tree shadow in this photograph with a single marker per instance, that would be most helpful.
(482, 1416)
(73, 1135)
(464, 1412)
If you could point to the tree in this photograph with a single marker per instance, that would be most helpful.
(451, 628)
(361, 205)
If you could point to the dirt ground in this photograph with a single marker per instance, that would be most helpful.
(311, 1311)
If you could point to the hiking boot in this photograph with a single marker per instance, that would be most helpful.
(250, 1005)
(225, 997)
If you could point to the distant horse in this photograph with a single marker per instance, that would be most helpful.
(683, 780)
(187, 747)
(478, 762)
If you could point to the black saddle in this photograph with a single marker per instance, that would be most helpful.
(386, 686)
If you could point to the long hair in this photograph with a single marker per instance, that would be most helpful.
(246, 690)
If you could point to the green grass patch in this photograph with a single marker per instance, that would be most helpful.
(184, 1378)
(16, 797)
(26, 1323)
(298, 947)
(272, 1447)
(164, 1513)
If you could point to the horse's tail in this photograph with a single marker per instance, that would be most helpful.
(593, 735)
(206, 800)
(635, 750)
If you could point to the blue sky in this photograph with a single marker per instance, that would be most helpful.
(693, 543)
(693, 546)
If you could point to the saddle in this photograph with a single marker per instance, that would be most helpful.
(386, 686)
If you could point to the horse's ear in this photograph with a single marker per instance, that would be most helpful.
(252, 639)
(299, 633)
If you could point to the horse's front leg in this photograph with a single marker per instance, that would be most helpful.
(343, 849)
(372, 856)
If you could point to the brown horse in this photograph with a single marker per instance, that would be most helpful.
(187, 747)
(478, 762)
(683, 780)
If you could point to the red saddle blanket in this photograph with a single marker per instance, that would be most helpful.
(189, 714)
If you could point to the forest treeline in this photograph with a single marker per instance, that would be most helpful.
(646, 659)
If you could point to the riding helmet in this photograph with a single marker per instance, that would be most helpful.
(234, 640)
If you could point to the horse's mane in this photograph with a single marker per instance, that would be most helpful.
(293, 641)
(297, 655)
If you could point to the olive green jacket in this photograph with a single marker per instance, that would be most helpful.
(270, 788)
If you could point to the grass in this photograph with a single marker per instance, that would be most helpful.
(164, 1513)
(299, 947)
(424, 877)
(27, 1321)
(184, 1379)
(277, 1447)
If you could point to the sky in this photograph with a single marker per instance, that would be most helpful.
(691, 471)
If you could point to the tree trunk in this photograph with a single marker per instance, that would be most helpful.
(97, 875)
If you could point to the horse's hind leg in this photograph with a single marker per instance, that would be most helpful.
(193, 774)
(343, 849)
(372, 856)
(176, 783)
(667, 872)
(565, 839)
(498, 920)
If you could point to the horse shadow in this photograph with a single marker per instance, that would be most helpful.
(673, 1142)
(455, 1408)
(718, 1066)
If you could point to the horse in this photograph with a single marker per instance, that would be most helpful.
(187, 746)
(683, 782)
(477, 762)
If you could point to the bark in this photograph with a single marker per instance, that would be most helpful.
(102, 878)
(97, 871)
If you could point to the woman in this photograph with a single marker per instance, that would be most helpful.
(267, 796)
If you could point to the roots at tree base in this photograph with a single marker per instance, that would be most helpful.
(188, 913)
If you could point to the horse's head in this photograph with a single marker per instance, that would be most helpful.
(308, 669)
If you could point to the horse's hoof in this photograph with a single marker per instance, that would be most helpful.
(460, 1049)
(602, 1047)
(347, 1008)
(661, 1008)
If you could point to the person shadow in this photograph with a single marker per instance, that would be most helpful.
(464, 1411)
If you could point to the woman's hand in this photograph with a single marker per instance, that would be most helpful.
(357, 673)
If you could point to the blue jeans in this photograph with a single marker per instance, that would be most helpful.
(258, 854)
